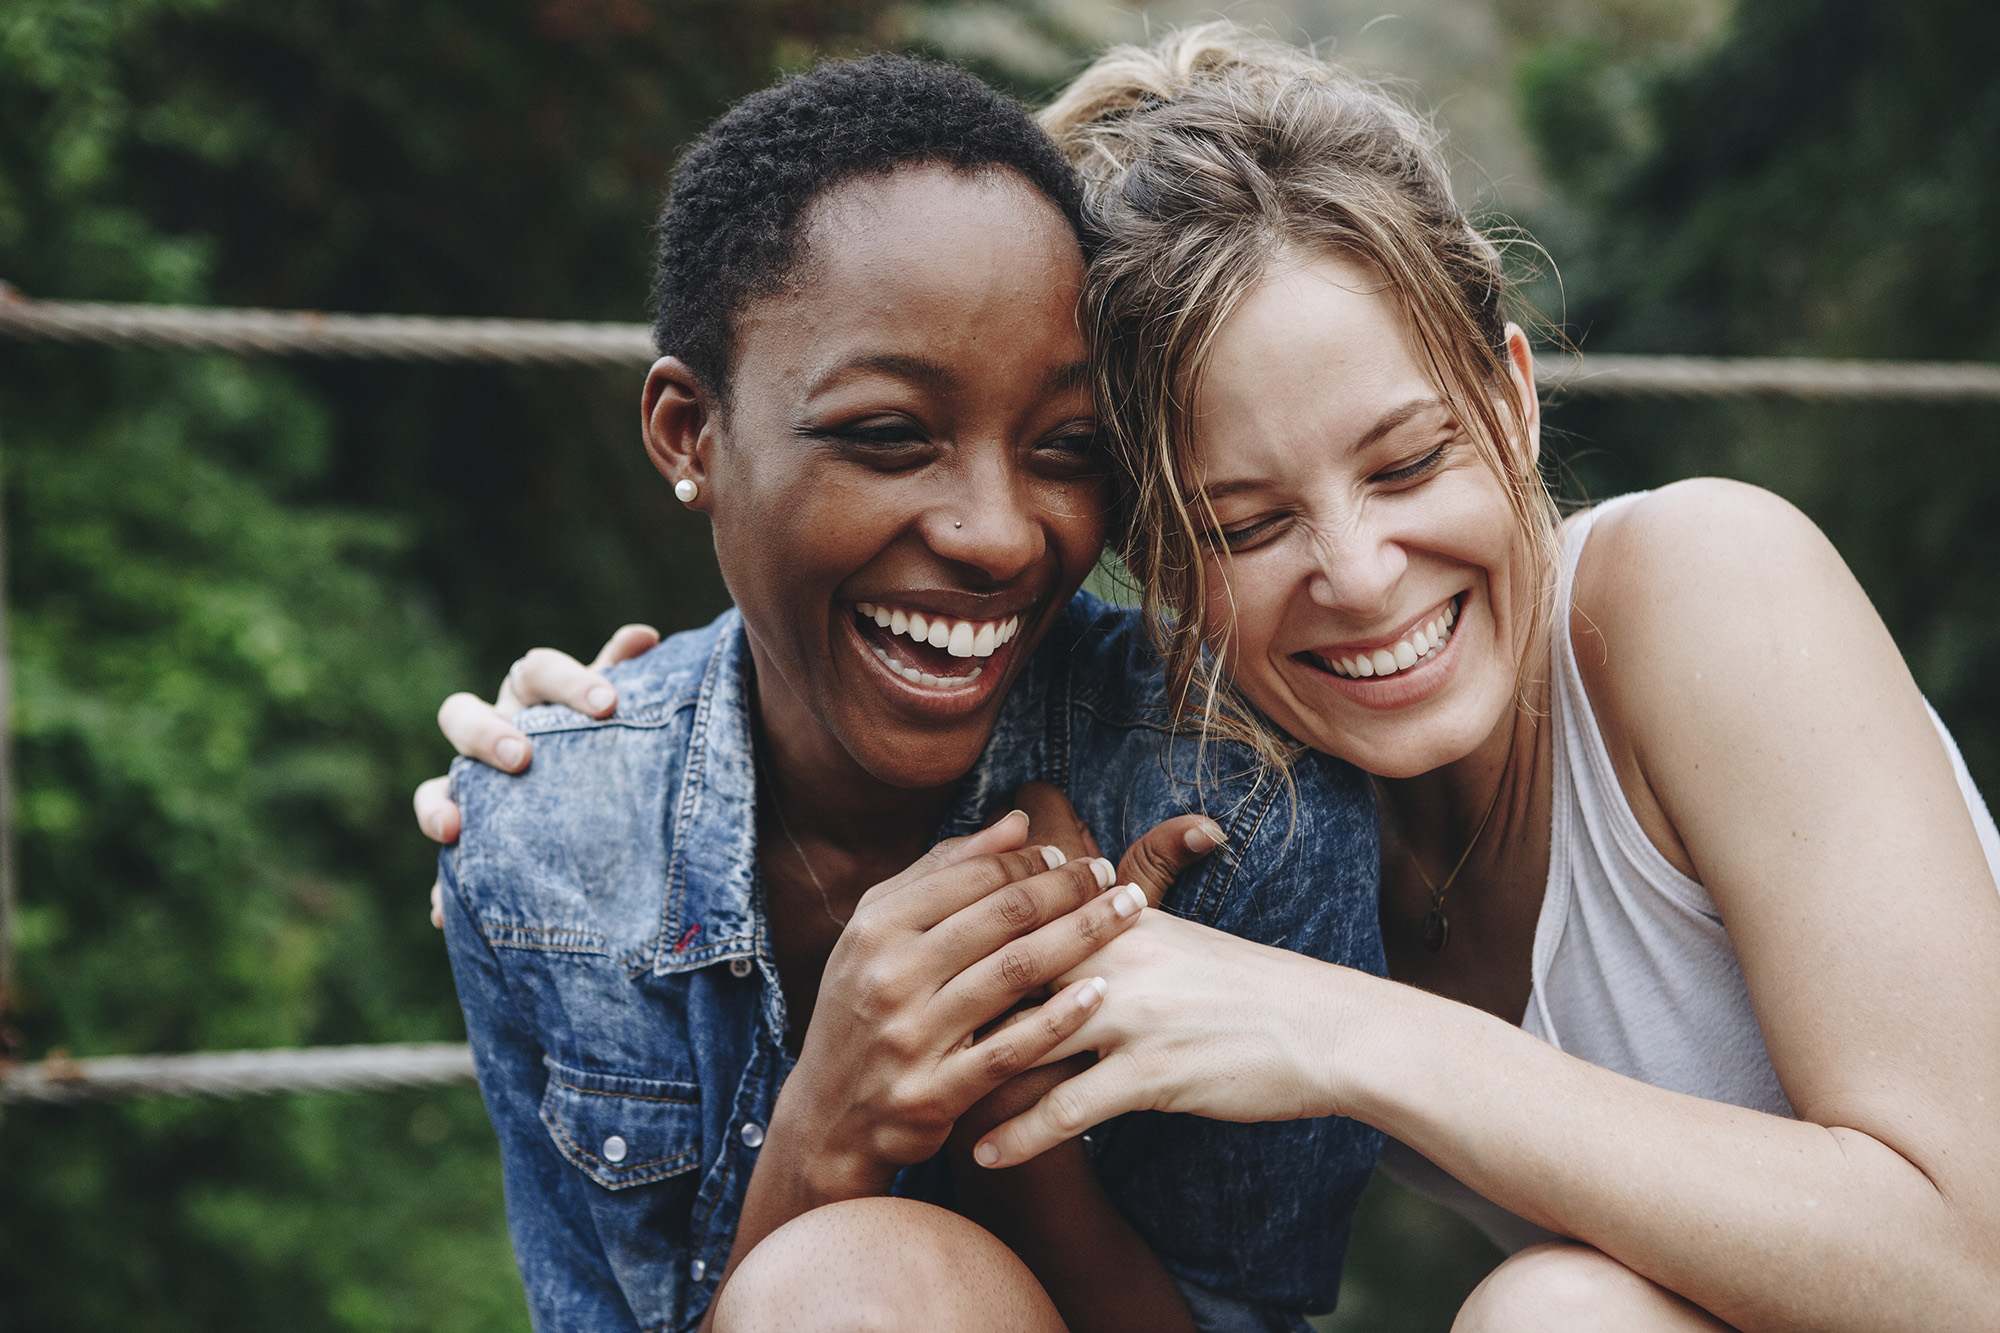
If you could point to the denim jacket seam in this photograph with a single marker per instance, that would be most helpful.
(1208, 902)
(692, 773)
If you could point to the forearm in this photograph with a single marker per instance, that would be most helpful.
(1053, 1213)
(1766, 1222)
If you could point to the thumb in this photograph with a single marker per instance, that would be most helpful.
(1157, 859)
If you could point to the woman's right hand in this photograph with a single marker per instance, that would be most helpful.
(902, 1039)
(483, 731)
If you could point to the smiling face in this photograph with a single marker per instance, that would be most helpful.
(1377, 580)
(904, 488)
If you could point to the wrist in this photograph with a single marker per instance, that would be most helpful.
(1339, 1027)
(817, 1166)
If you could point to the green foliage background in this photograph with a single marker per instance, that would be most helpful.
(238, 588)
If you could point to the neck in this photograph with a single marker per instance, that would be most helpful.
(830, 802)
(1441, 808)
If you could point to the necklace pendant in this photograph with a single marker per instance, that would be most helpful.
(1437, 931)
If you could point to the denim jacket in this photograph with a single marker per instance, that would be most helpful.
(604, 916)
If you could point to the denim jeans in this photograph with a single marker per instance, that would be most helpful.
(604, 916)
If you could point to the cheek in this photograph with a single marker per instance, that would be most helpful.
(1078, 518)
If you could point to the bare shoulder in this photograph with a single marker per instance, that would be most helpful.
(1707, 570)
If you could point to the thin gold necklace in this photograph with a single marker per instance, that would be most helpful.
(1437, 926)
(785, 826)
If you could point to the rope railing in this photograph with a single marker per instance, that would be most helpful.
(552, 342)
(573, 343)
(239, 1073)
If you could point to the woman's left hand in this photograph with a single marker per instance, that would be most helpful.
(1194, 1020)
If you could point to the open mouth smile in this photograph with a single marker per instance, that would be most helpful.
(944, 658)
(1394, 673)
(1417, 643)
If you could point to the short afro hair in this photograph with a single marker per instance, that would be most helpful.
(729, 232)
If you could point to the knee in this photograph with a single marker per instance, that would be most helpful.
(882, 1266)
(1561, 1287)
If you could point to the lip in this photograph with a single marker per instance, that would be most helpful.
(942, 704)
(1407, 687)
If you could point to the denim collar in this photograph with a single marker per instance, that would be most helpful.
(713, 907)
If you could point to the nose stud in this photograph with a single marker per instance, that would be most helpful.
(685, 490)
(958, 523)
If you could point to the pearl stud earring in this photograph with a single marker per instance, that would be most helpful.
(685, 491)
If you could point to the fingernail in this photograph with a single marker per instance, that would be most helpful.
(1054, 857)
(1022, 813)
(1093, 991)
(1204, 837)
(510, 752)
(1129, 900)
(600, 698)
(1103, 870)
(986, 1154)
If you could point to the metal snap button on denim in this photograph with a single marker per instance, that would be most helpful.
(614, 1149)
(753, 1136)
(697, 1270)
(739, 967)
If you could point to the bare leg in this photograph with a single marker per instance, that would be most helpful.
(881, 1266)
(1562, 1287)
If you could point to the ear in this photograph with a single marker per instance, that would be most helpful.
(679, 420)
(1521, 364)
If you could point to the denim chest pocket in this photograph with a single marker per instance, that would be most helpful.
(620, 1130)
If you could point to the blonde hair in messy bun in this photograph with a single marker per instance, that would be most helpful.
(1204, 157)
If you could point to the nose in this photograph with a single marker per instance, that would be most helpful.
(1357, 565)
(985, 519)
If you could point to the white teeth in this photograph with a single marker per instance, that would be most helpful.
(1420, 643)
(960, 638)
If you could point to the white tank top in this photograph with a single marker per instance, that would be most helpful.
(1632, 967)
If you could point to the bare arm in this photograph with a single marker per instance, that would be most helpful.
(1787, 759)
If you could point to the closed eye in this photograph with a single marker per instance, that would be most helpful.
(1413, 471)
(1253, 534)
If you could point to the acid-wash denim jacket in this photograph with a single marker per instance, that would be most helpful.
(605, 920)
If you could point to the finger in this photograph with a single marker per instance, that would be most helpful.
(550, 676)
(1006, 834)
(1065, 1111)
(983, 1066)
(927, 902)
(1157, 859)
(437, 903)
(628, 642)
(477, 730)
(983, 991)
(1055, 820)
(437, 813)
(1011, 910)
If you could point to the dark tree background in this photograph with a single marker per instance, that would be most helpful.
(239, 588)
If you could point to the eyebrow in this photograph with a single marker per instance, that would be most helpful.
(1391, 420)
(1070, 375)
(918, 370)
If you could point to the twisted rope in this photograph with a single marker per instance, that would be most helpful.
(309, 333)
(238, 1073)
(547, 342)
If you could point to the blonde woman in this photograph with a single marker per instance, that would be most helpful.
(1688, 901)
